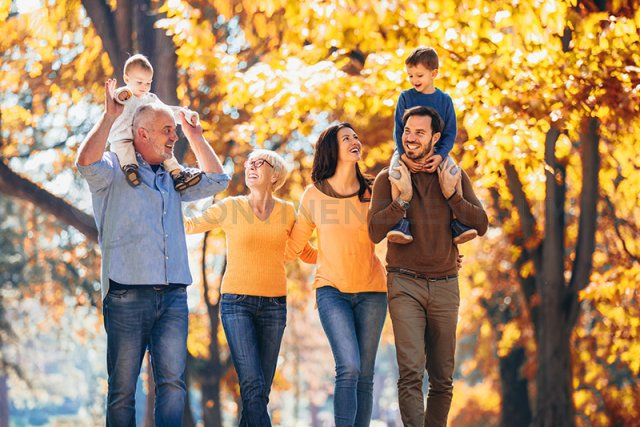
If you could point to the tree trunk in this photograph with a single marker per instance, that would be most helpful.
(162, 52)
(104, 22)
(315, 411)
(4, 401)
(211, 372)
(187, 419)
(555, 398)
(210, 386)
(516, 406)
(516, 410)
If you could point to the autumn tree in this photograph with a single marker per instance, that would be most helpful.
(547, 104)
(66, 65)
(531, 88)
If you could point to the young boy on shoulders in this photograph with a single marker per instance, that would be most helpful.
(422, 67)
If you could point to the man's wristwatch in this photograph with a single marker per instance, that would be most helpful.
(404, 205)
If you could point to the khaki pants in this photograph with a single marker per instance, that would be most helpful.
(424, 314)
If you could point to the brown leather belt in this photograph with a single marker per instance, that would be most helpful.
(415, 275)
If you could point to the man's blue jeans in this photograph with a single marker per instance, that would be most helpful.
(134, 320)
(353, 323)
(254, 327)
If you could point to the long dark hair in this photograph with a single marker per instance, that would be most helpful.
(325, 160)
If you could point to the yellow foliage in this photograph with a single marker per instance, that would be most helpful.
(474, 405)
(305, 64)
(510, 336)
(5, 7)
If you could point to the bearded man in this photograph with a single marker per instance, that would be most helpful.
(422, 276)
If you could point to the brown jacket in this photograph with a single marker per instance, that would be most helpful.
(432, 251)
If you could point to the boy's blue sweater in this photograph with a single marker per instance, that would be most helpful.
(442, 104)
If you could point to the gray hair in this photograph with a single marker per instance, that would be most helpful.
(142, 112)
(280, 169)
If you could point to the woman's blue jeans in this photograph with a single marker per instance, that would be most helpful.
(353, 324)
(254, 327)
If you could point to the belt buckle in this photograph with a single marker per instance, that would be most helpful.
(159, 288)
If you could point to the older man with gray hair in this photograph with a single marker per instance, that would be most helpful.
(145, 269)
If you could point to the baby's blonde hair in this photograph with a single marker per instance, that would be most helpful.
(138, 60)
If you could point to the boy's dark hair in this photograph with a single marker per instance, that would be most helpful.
(436, 120)
(138, 60)
(325, 160)
(425, 56)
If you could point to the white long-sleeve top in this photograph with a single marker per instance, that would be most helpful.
(122, 129)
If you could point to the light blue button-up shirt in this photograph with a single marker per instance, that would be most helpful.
(141, 233)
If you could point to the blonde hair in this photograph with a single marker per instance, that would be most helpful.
(280, 169)
(138, 60)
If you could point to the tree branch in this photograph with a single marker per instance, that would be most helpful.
(522, 205)
(588, 208)
(617, 222)
(528, 225)
(15, 185)
(123, 19)
(585, 246)
(144, 21)
(553, 251)
(528, 286)
(527, 221)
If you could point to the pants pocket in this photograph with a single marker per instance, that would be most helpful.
(118, 293)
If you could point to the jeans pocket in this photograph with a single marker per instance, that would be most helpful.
(392, 289)
(118, 293)
(326, 292)
(279, 301)
(449, 293)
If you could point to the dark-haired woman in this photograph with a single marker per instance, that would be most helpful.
(350, 280)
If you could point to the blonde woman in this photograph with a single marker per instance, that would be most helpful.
(253, 306)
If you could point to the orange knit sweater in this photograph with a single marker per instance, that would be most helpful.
(255, 248)
(346, 256)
